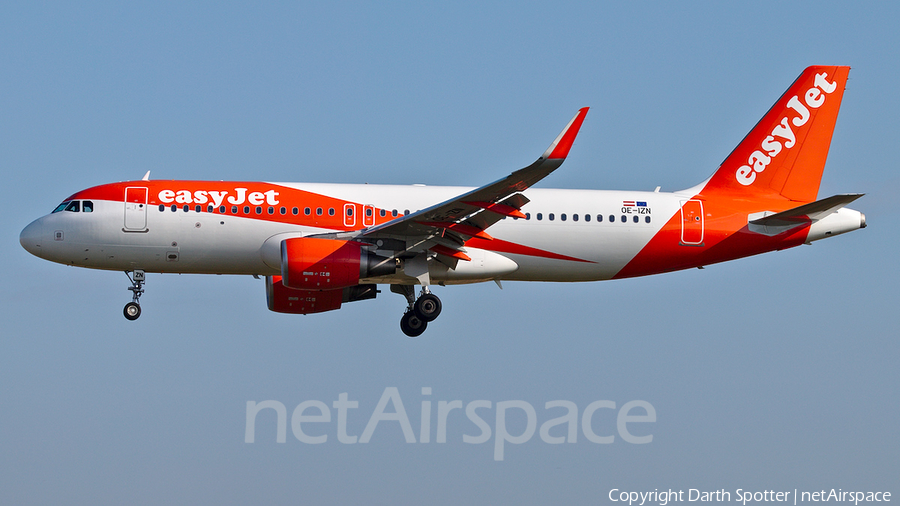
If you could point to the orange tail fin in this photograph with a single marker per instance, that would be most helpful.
(785, 152)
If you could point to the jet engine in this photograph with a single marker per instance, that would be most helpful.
(282, 299)
(329, 264)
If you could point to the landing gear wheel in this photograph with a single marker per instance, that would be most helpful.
(412, 325)
(428, 307)
(132, 311)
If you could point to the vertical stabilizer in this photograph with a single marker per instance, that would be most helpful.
(785, 152)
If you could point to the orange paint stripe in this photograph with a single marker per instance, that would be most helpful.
(502, 246)
(217, 194)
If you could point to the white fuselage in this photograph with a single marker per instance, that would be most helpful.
(212, 243)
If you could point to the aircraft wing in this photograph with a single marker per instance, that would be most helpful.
(444, 227)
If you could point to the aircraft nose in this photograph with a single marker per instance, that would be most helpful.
(30, 238)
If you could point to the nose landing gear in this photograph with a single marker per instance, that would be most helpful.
(132, 310)
(419, 311)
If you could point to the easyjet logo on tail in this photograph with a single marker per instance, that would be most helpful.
(783, 136)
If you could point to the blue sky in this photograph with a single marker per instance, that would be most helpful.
(774, 372)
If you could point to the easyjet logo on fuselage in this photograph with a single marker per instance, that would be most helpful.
(783, 136)
(217, 198)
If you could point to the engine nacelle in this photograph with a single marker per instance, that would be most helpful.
(329, 264)
(282, 299)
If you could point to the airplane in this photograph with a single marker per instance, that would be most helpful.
(321, 245)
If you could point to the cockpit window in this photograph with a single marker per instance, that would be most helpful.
(75, 206)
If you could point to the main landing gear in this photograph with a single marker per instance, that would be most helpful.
(419, 311)
(133, 309)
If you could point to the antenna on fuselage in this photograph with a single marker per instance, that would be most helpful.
(146, 176)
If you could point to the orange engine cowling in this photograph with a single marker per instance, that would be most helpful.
(282, 299)
(329, 264)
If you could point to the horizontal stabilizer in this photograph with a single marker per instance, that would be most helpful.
(773, 224)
